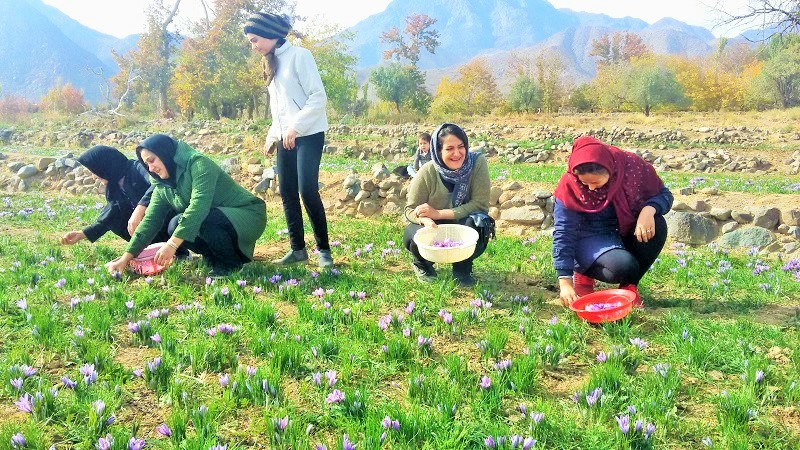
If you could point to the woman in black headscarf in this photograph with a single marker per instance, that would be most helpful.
(128, 192)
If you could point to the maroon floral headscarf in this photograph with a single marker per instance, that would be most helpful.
(632, 181)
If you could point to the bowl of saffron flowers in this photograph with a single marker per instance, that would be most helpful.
(604, 306)
(446, 243)
(144, 263)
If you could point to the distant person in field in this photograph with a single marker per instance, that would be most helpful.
(609, 219)
(297, 102)
(421, 156)
(213, 215)
(454, 188)
(128, 192)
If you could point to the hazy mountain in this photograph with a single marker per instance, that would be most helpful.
(39, 46)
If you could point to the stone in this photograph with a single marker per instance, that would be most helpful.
(255, 169)
(380, 171)
(767, 217)
(544, 195)
(791, 247)
(350, 180)
(44, 162)
(523, 215)
(368, 208)
(686, 191)
(680, 206)
(27, 171)
(691, 228)
(253, 160)
(791, 217)
(729, 226)
(748, 237)
(363, 195)
(368, 185)
(14, 167)
(783, 228)
(230, 165)
(269, 173)
(698, 205)
(512, 186)
(721, 214)
(494, 195)
(742, 217)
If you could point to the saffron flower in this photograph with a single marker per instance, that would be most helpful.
(164, 430)
(69, 384)
(486, 382)
(25, 403)
(16, 383)
(624, 423)
(104, 443)
(346, 444)
(336, 396)
(18, 441)
(135, 444)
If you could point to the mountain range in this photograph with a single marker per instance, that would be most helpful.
(40, 45)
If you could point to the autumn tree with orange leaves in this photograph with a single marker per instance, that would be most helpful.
(418, 35)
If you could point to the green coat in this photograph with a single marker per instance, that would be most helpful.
(427, 187)
(201, 185)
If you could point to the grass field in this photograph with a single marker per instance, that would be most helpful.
(367, 357)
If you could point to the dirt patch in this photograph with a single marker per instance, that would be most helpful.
(143, 407)
(135, 357)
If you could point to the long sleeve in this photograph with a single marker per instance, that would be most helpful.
(419, 192)
(311, 83)
(96, 230)
(662, 201)
(151, 223)
(565, 238)
(204, 174)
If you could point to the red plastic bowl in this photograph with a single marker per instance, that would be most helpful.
(606, 296)
(144, 264)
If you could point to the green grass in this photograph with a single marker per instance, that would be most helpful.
(708, 331)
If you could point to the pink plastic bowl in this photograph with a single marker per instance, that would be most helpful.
(607, 296)
(144, 264)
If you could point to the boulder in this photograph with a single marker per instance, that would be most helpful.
(742, 217)
(44, 162)
(691, 228)
(27, 171)
(523, 215)
(721, 214)
(748, 237)
(791, 217)
(767, 218)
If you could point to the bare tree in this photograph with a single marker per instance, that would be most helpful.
(775, 16)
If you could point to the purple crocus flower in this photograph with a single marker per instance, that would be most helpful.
(18, 441)
(135, 444)
(759, 376)
(16, 383)
(489, 441)
(639, 342)
(523, 409)
(330, 375)
(164, 430)
(104, 443)
(99, 407)
(336, 396)
(649, 430)
(708, 442)
(316, 378)
(224, 380)
(346, 444)
(515, 441)
(89, 374)
(537, 417)
(25, 403)
(486, 382)
(638, 426)
(134, 327)
(282, 424)
(22, 303)
(602, 357)
(410, 308)
(69, 384)
(137, 372)
(27, 370)
(156, 338)
(320, 447)
(594, 396)
(624, 423)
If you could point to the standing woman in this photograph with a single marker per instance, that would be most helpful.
(216, 217)
(128, 192)
(609, 219)
(453, 189)
(297, 102)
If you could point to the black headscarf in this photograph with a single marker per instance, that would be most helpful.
(107, 163)
(164, 147)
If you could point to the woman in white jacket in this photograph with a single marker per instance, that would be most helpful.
(297, 102)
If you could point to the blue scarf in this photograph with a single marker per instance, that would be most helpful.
(460, 177)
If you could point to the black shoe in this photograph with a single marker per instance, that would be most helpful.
(465, 279)
(425, 272)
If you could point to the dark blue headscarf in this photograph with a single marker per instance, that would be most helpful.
(107, 163)
(460, 177)
(165, 148)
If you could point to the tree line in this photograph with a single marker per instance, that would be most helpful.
(209, 71)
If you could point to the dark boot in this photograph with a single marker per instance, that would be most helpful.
(425, 271)
(462, 273)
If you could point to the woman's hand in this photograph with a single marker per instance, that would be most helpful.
(567, 294)
(136, 218)
(164, 255)
(645, 225)
(427, 222)
(426, 210)
(118, 265)
(289, 138)
(72, 237)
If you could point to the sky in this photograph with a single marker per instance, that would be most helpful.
(124, 17)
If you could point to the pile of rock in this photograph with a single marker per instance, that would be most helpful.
(707, 161)
(769, 229)
(515, 154)
(63, 174)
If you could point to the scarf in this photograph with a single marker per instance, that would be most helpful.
(164, 147)
(632, 181)
(107, 163)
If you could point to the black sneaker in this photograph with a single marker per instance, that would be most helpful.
(425, 272)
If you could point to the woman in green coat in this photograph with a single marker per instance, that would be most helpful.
(216, 217)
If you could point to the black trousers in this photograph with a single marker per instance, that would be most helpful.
(298, 176)
(217, 241)
(628, 266)
(462, 267)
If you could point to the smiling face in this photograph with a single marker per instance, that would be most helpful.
(260, 44)
(453, 152)
(154, 163)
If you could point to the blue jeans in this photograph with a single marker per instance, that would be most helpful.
(298, 176)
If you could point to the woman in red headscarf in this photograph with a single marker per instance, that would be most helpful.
(609, 219)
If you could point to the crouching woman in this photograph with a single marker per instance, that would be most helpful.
(609, 219)
(453, 189)
(214, 216)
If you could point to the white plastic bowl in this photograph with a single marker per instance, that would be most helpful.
(425, 237)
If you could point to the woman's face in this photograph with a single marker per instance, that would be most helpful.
(594, 181)
(260, 44)
(154, 163)
(453, 152)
